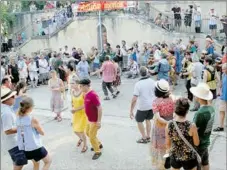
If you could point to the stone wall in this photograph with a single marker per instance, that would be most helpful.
(84, 34)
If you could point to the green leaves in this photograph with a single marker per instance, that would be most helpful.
(6, 17)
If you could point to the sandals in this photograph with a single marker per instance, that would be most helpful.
(79, 142)
(219, 129)
(148, 139)
(96, 156)
(144, 141)
(84, 149)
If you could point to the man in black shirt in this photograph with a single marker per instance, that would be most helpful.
(177, 15)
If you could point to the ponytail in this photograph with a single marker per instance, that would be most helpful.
(25, 104)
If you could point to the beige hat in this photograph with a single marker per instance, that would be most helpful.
(162, 85)
(202, 91)
(6, 93)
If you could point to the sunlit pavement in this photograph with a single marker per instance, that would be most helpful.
(118, 135)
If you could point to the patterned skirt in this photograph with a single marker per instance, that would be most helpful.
(158, 146)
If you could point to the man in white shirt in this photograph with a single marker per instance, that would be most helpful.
(144, 95)
(213, 22)
(9, 130)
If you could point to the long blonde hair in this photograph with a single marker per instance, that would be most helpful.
(25, 104)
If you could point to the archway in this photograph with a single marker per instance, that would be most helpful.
(102, 36)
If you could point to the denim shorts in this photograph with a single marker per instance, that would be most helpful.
(96, 65)
(18, 156)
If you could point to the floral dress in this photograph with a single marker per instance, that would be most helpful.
(179, 150)
(165, 108)
(56, 101)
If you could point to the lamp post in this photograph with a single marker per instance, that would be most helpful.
(100, 25)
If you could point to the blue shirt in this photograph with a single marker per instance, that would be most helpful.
(134, 57)
(83, 69)
(16, 105)
(30, 140)
(163, 69)
(224, 87)
(210, 50)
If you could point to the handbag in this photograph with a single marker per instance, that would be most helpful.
(199, 160)
(167, 163)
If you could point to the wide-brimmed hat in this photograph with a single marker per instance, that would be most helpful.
(162, 85)
(6, 93)
(202, 91)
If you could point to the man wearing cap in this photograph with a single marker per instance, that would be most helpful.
(93, 111)
(144, 94)
(8, 118)
(204, 120)
(223, 102)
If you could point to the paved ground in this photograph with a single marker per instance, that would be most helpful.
(118, 135)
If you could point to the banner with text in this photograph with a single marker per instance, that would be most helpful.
(96, 6)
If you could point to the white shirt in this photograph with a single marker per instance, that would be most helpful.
(32, 67)
(43, 66)
(157, 54)
(3, 73)
(144, 90)
(8, 121)
(197, 69)
(213, 19)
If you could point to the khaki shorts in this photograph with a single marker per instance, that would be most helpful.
(223, 106)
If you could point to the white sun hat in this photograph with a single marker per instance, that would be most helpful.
(202, 91)
(6, 93)
(162, 85)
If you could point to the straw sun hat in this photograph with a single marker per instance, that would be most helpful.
(7, 94)
(202, 91)
(162, 85)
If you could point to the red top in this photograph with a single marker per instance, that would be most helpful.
(165, 107)
(91, 102)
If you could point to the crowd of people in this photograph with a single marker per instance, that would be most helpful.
(68, 74)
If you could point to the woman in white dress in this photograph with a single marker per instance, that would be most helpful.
(33, 72)
(22, 66)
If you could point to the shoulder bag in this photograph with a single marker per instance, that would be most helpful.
(187, 143)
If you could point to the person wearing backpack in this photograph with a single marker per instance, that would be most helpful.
(210, 76)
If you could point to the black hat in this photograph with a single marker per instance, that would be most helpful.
(85, 82)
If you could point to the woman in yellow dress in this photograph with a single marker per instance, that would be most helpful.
(79, 121)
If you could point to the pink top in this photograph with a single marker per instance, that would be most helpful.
(109, 71)
(165, 107)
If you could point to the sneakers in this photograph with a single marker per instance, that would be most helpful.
(100, 147)
(219, 129)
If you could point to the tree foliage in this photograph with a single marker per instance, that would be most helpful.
(26, 4)
(6, 17)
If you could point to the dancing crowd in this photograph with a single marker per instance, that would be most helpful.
(176, 142)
